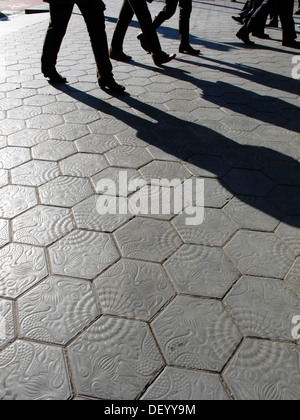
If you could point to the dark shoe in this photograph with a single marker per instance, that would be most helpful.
(54, 77)
(111, 85)
(120, 56)
(188, 50)
(144, 43)
(272, 25)
(163, 58)
(261, 35)
(244, 36)
(238, 19)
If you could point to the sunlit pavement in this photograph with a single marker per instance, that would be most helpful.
(148, 307)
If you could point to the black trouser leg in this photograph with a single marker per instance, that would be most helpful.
(93, 13)
(286, 11)
(143, 15)
(123, 23)
(184, 21)
(167, 13)
(60, 15)
(259, 18)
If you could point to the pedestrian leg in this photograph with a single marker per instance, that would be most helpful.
(93, 13)
(125, 18)
(60, 15)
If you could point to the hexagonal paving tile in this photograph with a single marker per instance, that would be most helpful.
(55, 311)
(28, 138)
(24, 112)
(294, 275)
(95, 143)
(263, 307)
(45, 122)
(83, 254)
(149, 240)
(68, 132)
(287, 199)
(107, 127)
(35, 173)
(249, 182)
(87, 216)
(134, 289)
(288, 230)
(215, 194)
(181, 384)
(53, 150)
(243, 123)
(165, 171)
(41, 374)
(83, 115)
(7, 327)
(42, 225)
(122, 360)
(13, 156)
(202, 271)
(208, 166)
(264, 370)
(65, 191)
(4, 232)
(215, 230)
(22, 267)
(14, 200)
(129, 157)
(121, 178)
(260, 254)
(196, 333)
(9, 127)
(83, 165)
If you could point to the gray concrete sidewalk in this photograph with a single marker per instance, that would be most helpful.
(147, 307)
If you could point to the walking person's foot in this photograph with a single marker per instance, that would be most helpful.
(111, 85)
(163, 58)
(188, 49)
(244, 36)
(119, 56)
(238, 19)
(54, 76)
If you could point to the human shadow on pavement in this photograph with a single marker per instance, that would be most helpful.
(253, 74)
(266, 109)
(263, 178)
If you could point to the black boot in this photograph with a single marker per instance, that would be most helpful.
(112, 85)
(54, 76)
(244, 36)
(188, 49)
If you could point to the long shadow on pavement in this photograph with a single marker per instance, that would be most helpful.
(272, 185)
